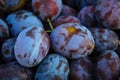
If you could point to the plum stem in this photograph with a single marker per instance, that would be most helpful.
(50, 24)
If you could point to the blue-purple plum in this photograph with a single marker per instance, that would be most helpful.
(31, 46)
(53, 67)
(20, 20)
(72, 40)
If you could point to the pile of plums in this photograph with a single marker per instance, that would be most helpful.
(59, 40)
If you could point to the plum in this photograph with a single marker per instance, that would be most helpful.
(81, 69)
(47, 8)
(105, 39)
(107, 12)
(87, 16)
(13, 71)
(53, 67)
(108, 66)
(31, 46)
(72, 40)
(20, 20)
(7, 50)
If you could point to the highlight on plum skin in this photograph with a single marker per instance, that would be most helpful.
(72, 40)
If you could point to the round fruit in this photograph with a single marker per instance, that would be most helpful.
(107, 12)
(53, 67)
(81, 69)
(13, 71)
(31, 46)
(104, 39)
(7, 50)
(47, 8)
(108, 66)
(20, 20)
(72, 40)
(87, 16)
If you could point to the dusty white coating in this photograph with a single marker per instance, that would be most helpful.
(31, 46)
(54, 67)
(22, 19)
(72, 40)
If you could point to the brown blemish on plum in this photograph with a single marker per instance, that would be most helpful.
(19, 56)
(42, 51)
(4, 31)
(37, 5)
(34, 62)
(62, 47)
(71, 31)
(23, 28)
(30, 33)
(101, 30)
(25, 55)
(6, 52)
(19, 15)
(45, 38)
(108, 56)
(56, 77)
(71, 51)
(66, 68)
(107, 15)
(59, 66)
